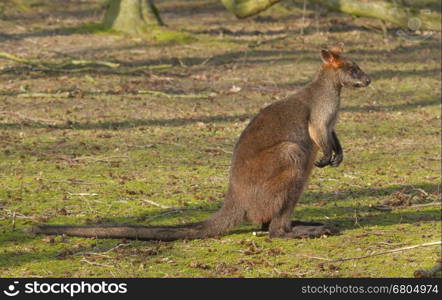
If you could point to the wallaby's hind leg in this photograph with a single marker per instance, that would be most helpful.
(300, 226)
(282, 226)
(299, 229)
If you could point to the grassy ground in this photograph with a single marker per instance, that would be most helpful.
(92, 148)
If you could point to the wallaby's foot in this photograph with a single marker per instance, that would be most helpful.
(265, 226)
(311, 230)
(302, 229)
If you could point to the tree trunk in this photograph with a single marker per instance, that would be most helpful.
(133, 17)
(246, 8)
(403, 16)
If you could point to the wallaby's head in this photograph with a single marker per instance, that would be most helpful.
(347, 72)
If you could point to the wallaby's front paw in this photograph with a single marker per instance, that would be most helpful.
(337, 159)
(325, 161)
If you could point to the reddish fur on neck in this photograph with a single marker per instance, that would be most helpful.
(334, 63)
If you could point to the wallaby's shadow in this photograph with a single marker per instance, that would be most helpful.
(251, 56)
(343, 219)
(175, 122)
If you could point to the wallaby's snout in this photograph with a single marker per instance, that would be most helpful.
(346, 71)
(367, 81)
(358, 77)
(364, 81)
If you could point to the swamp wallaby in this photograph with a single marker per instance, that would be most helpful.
(271, 163)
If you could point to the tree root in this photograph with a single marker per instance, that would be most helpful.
(72, 64)
(78, 65)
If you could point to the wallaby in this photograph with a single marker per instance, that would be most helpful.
(271, 163)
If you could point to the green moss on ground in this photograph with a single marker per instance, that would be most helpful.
(112, 148)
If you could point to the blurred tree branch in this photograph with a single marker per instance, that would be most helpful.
(384, 10)
(248, 8)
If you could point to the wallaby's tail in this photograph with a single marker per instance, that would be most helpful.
(220, 222)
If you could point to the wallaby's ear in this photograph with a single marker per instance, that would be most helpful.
(338, 49)
(330, 59)
(326, 56)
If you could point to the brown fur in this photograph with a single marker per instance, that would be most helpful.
(271, 163)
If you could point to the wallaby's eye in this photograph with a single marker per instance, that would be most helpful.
(354, 70)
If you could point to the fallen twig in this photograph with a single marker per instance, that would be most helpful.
(82, 194)
(93, 254)
(255, 44)
(27, 119)
(95, 263)
(387, 252)
(45, 95)
(313, 257)
(73, 181)
(218, 149)
(116, 247)
(142, 68)
(105, 159)
(382, 207)
(13, 220)
(437, 203)
(21, 60)
(15, 215)
(156, 204)
(162, 214)
(162, 94)
(83, 63)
